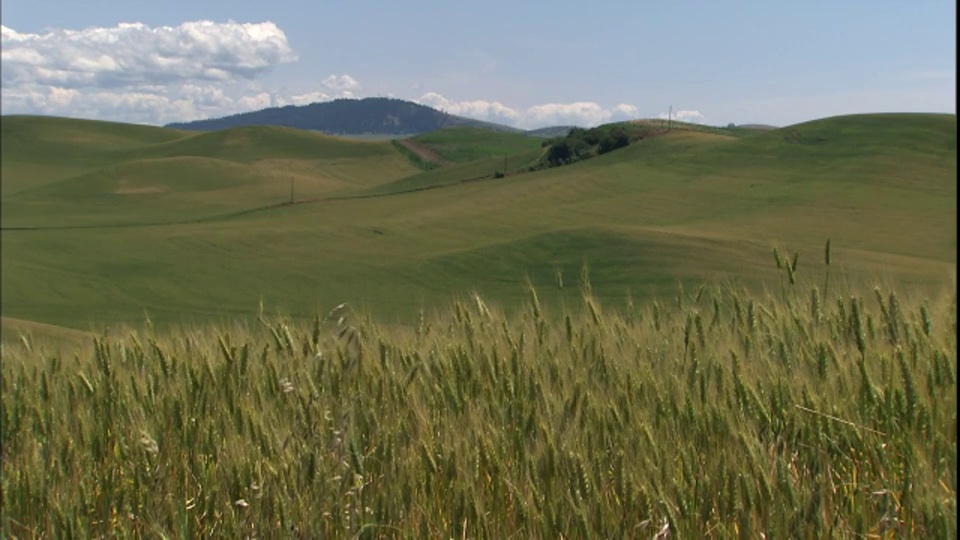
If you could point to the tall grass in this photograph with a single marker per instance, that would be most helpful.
(722, 414)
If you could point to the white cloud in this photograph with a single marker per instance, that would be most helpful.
(437, 101)
(691, 117)
(127, 105)
(136, 54)
(135, 73)
(626, 112)
(341, 83)
(255, 102)
(332, 87)
(202, 69)
(583, 113)
(490, 111)
(305, 99)
(150, 104)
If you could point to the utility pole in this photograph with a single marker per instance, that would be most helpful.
(670, 119)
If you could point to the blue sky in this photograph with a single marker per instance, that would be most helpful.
(520, 63)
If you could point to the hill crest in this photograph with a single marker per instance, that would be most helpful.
(348, 117)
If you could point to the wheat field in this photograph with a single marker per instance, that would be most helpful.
(718, 413)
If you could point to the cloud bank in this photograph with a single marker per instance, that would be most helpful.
(136, 54)
(202, 69)
(691, 117)
(581, 113)
(133, 72)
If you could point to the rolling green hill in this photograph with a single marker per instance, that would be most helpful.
(39, 149)
(192, 227)
(67, 173)
(459, 145)
(159, 291)
(476, 170)
(550, 131)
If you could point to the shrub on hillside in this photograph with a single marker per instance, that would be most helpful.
(580, 143)
(616, 138)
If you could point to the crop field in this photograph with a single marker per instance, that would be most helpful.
(715, 414)
(716, 333)
(105, 224)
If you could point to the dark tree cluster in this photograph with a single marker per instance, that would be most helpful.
(580, 144)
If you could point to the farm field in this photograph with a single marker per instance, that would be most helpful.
(712, 333)
(104, 223)
(716, 413)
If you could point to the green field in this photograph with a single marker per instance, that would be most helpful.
(104, 223)
(460, 145)
(710, 333)
(718, 413)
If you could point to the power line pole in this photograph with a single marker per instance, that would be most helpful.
(670, 119)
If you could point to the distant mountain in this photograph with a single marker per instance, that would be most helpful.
(348, 117)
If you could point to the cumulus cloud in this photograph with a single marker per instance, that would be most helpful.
(303, 99)
(136, 54)
(332, 87)
(152, 105)
(341, 83)
(202, 69)
(490, 111)
(128, 105)
(581, 113)
(691, 117)
(137, 73)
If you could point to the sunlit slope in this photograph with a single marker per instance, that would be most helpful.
(479, 169)
(40, 149)
(460, 145)
(860, 188)
(685, 207)
(878, 182)
(64, 173)
(253, 143)
(38, 138)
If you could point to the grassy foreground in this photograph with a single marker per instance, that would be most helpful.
(717, 414)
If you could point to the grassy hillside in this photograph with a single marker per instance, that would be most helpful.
(199, 235)
(69, 173)
(479, 169)
(660, 339)
(550, 131)
(38, 149)
(732, 131)
(461, 145)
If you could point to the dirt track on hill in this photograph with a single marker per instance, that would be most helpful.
(423, 151)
